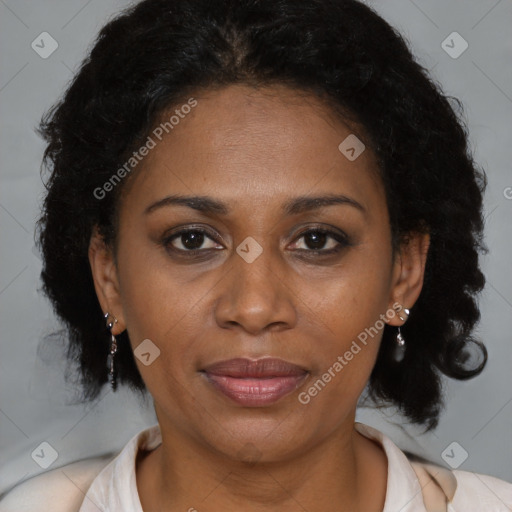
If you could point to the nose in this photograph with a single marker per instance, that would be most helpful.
(255, 296)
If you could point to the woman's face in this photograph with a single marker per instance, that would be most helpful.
(254, 277)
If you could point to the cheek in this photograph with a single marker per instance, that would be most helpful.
(350, 311)
(344, 364)
(355, 296)
(159, 305)
(156, 293)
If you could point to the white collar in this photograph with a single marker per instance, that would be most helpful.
(115, 488)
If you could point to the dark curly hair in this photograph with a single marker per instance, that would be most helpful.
(159, 52)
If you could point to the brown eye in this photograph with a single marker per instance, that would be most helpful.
(315, 240)
(190, 240)
(321, 241)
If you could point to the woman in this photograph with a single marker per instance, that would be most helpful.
(257, 211)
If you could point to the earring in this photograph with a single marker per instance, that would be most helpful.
(399, 338)
(113, 350)
(403, 314)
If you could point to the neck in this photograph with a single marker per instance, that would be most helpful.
(183, 474)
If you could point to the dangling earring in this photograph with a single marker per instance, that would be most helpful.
(403, 314)
(113, 350)
(399, 338)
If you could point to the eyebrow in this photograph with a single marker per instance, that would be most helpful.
(209, 205)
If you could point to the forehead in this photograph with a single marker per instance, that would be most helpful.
(248, 146)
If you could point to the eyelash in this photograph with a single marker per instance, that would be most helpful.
(342, 239)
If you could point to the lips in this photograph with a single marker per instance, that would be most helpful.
(261, 368)
(255, 383)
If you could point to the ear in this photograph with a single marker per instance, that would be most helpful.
(106, 281)
(408, 273)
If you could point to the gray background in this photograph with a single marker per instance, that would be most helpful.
(33, 395)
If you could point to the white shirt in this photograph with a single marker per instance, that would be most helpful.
(114, 488)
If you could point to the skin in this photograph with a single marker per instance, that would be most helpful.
(254, 150)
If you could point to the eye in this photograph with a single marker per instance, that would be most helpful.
(321, 241)
(191, 240)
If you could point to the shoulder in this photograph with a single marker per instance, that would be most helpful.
(481, 492)
(64, 489)
(59, 490)
(411, 477)
(465, 491)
